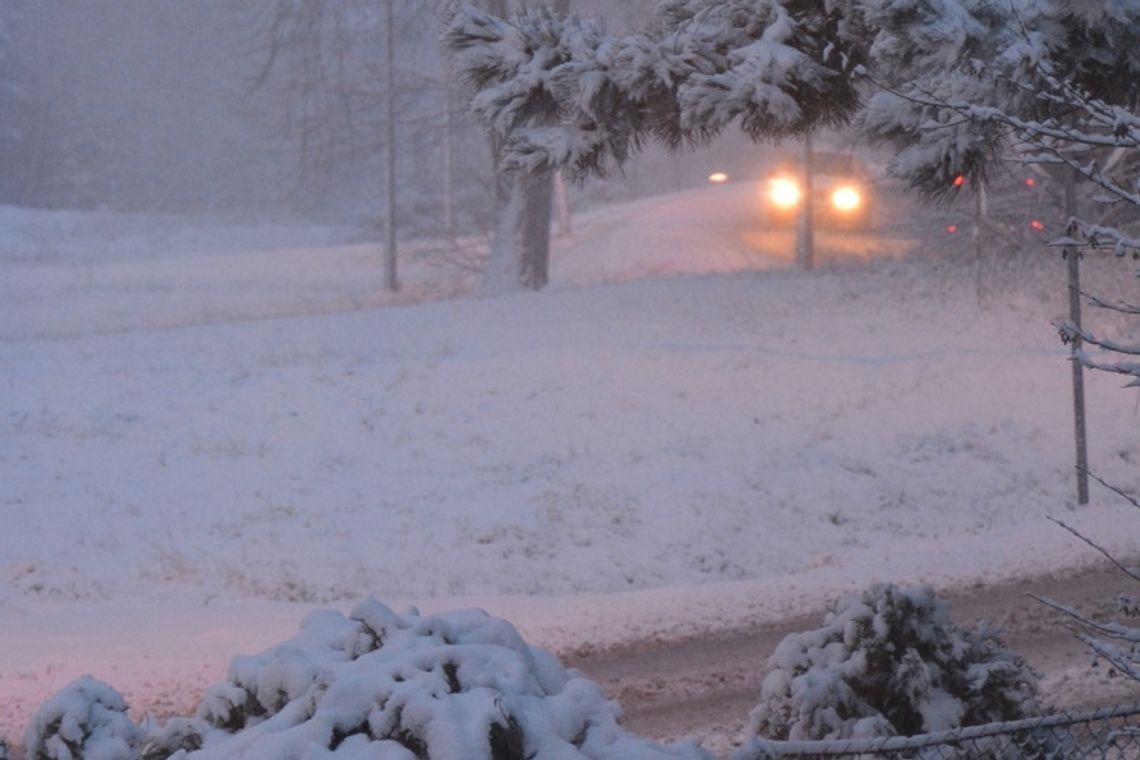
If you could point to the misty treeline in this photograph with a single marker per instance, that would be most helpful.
(254, 107)
(213, 106)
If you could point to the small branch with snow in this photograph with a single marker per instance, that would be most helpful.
(1127, 497)
(1127, 571)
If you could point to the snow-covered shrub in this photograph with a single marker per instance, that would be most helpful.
(890, 662)
(86, 720)
(462, 685)
(375, 685)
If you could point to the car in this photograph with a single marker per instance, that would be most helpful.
(841, 192)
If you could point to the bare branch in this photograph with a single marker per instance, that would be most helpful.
(1130, 573)
(1119, 659)
(1127, 497)
(1119, 306)
(1111, 630)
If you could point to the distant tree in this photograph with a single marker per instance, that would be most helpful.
(520, 241)
(9, 95)
(123, 104)
(353, 90)
(564, 93)
(329, 66)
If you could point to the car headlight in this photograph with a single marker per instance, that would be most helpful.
(846, 199)
(783, 192)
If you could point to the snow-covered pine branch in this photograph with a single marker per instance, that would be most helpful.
(567, 94)
(965, 84)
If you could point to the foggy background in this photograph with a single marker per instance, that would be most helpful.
(263, 109)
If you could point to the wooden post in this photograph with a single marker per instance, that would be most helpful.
(805, 237)
(1073, 259)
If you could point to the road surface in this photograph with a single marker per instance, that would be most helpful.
(658, 236)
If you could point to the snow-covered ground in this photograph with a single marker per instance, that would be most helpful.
(195, 450)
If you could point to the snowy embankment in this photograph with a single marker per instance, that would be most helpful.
(642, 459)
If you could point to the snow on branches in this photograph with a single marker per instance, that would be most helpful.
(965, 83)
(889, 662)
(565, 93)
(376, 684)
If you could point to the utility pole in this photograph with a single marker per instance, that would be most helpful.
(979, 246)
(1073, 259)
(390, 281)
(805, 237)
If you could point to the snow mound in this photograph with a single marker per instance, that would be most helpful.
(86, 721)
(375, 684)
(890, 662)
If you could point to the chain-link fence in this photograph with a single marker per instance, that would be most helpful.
(1106, 734)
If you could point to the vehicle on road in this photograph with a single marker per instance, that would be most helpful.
(841, 192)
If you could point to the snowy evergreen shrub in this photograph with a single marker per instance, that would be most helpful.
(379, 684)
(374, 685)
(86, 720)
(890, 662)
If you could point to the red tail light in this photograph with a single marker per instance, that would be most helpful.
(951, 228)
(1036, 225)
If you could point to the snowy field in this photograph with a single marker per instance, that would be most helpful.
(680, 435)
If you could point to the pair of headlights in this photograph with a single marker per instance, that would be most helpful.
(785, 193)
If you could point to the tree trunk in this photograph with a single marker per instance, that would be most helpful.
(520, 250)
(534, 266)
(520, 246)
(448, 163)
(562, 204)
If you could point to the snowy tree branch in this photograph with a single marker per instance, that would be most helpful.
(1130, 573)
(1127, 497)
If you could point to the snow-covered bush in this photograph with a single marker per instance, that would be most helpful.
(87, 720)
(889, 662)
(372, 685)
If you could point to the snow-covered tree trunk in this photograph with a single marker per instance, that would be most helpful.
(520, 249)
(562, 206)
(520, 244)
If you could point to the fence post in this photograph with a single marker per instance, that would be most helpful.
(1073, 259)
